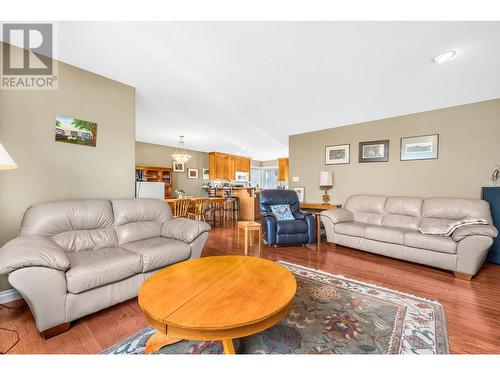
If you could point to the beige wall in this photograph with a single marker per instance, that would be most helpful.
(50, 170)
(469, 147)
(161, 156)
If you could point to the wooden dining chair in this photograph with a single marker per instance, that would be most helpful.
(180, 207)
(200, 206)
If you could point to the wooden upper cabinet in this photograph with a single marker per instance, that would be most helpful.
(242, 164)
(224, 166)
(283, 169)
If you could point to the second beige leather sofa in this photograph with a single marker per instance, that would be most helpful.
(389, 226)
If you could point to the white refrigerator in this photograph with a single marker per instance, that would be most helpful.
(150, 190)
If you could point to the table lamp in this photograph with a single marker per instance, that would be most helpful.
(325, 183)
(6, 161)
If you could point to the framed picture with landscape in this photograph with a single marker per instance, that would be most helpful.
(373, 151)
(337, 154)
(73, 130)
(420, 148)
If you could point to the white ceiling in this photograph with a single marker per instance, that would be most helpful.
(244, 87)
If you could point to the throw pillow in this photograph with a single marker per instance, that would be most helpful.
(282, 212)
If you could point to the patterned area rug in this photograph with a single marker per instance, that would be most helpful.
(332, 315)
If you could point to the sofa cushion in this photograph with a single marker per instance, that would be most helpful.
(351, 229)
(430, 242)
(338, 215)
(139, 218)
(402, 212)
(367, 209)
(75, 225)
(385, 234)
(159, 252)
(291, 227)
(456, 209)
(93, 268)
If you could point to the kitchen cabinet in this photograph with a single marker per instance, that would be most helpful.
(224, 166)
(283, 169)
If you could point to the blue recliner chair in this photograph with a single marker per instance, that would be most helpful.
(301, 230)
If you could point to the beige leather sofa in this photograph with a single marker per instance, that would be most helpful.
(73, 258)
(389, 226)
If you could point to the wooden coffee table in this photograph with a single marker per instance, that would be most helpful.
(216, 298)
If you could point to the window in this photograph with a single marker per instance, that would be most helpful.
(266, 178)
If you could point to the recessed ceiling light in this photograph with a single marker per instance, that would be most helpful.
(439, 59)
(243, 147)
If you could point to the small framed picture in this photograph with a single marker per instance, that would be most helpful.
(192, 172)
(420, 147)
(337, 154)
(178, 167)
(373, 151)
(206, 174)
(300, 193)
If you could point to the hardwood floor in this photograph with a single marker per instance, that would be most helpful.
(472, 307)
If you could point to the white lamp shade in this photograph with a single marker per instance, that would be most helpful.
(6, 161)
(325, 178)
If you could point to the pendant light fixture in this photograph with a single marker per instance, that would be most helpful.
(180, 155)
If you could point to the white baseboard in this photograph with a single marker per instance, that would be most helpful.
(9, 296)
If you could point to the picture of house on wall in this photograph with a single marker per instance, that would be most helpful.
(72, 130)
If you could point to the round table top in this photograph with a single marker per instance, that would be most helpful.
(218, 292)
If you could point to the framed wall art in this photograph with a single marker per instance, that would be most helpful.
(178, 167)
(73, 130)
(300, 193)
(337, 154)
(205, 174)
(192, 172)
(420, 147)
(373, 151)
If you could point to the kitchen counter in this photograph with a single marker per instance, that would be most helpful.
(248, 202)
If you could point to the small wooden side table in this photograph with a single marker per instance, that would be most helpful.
(315, 209)
(249, 226)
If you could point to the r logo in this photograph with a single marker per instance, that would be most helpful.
(36, 40)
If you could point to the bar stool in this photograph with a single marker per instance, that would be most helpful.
(216, 210)
(231, 208)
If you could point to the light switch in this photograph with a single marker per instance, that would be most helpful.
(295, 179)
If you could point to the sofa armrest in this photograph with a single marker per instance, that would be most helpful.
(32, 251)
(185, 230)
(474, 230)
(338, 215)
(301, 215)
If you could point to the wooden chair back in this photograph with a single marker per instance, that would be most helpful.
(180, 207)
(199, 207)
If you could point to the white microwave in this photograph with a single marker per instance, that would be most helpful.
(241, 176)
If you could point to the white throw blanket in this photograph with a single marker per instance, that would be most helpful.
(450, 228)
